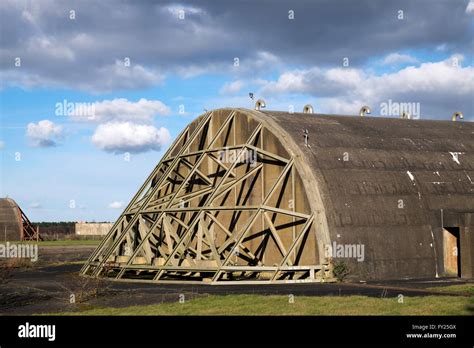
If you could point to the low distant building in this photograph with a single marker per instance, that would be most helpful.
(92, 228)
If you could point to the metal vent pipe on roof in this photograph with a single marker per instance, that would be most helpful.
(260, 104)
(308, 109)
(405, 115)
(364, 110)
(456, 115)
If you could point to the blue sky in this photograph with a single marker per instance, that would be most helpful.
(71, 168)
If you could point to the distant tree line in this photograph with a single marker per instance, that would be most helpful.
(56, 228)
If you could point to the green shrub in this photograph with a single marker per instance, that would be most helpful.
(340, 270)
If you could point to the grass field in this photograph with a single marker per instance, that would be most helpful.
(280, 305)
(461, 288)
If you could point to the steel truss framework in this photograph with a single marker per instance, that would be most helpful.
(28, 231)
(208, 213)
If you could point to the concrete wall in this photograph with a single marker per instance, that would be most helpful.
(92, 228)
(386, 185)
(10, 220)
(386, 182)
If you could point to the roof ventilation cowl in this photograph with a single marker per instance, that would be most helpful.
(405, 115)
(260, 104)
(457, 114)
(308, 109)
(364, 110)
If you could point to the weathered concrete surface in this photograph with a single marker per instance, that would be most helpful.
(385, 187)
(10, 220)
(390, 185)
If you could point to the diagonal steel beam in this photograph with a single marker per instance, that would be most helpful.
(228, 120)
(234, 183)
(228, 233)
(210, 199)
(135, 217)
(275, 235)
(270, 193)
(242, 234)
(295, 243)
(134, 199)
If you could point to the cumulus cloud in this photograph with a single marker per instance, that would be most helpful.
(107, 78)
(441, 87)
(88, 53)
(121, 109)
(119, 76)
(35, 205)
(44, 133)
(232, 87)
(397, 58)
(184, 10)
(120, 137)
(470, 7)
(116, 205)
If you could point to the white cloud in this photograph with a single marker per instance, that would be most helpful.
(193, 70)
(264, 60)
(442, 47)
(121, 110)
(44, 134)
(107, 78)
(88, 52)
(2, 144)
(176, 10)
(118, 76)
(315, 81)
(120, 137)
(35, 205)
(52, 46)
(232, 87)
(342, 106)
(116, 205)
(258, 63)
(441, 86)
(470, 7)
(397, 58)
(437, 77)
(288, 82)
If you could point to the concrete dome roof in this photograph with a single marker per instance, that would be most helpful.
(387, 183)
(10, 220)
(391, 189)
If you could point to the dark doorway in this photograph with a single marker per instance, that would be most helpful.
(452, 251)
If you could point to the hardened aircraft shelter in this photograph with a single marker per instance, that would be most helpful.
(253, 196)
(14, 224)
